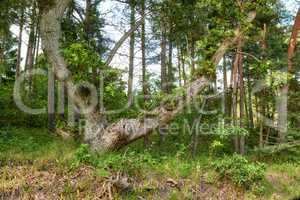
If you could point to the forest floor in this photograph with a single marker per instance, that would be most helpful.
(35, 165)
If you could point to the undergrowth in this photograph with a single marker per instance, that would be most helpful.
(152, 166)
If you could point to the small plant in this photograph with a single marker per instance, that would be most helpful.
(83, 156)
(239, 170)
(217, 148)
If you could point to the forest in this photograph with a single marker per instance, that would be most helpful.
(149, 99)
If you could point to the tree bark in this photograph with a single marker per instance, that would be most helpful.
(250, 106)
(131, 53)
(227, 94)
(88, 36)
(144, 67)
(183, 68)
(163, 57)
(282, 106)
(242, 101)
(61, 99)
(31, 46)
(179, 67)
(193, 65)
(21, 24)
(234, 101)
(125, 131)
(51, 100)
(170, 67)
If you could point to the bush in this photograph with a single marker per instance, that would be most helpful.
(239, 170)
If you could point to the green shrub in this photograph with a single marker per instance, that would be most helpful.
(239, 170)
(217, 148)
(83, 156)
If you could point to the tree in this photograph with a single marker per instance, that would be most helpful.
(127, 130)
(282, 107)
(131, 52)
(21, 25)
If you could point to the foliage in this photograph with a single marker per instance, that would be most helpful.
(227, 132)
(83, 156)
(239, 170)
(81, 58)
(279, 153)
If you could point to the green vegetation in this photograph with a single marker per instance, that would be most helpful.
(153, 174)
(149, 99)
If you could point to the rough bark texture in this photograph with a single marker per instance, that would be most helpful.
(127, 130)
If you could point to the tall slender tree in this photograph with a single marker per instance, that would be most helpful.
(132, 5)
(20, 40)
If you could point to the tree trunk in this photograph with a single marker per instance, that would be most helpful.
(87, 21)
(234, 99)
(234, 82)
(21, 24)
(282, 106)
(226, 93)
(242, 101)
(31, 46)
(183, 68)
(37, 48)
(179, 67)
(163, 57)
(131, 53)
(1, 55)
(250, 106)
(61, 99)
(125, 131)
(88, 36)
(170, 67)
(51, 100)
(193, 68)
(144, 67)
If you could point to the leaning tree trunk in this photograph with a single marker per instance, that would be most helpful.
(126, 130)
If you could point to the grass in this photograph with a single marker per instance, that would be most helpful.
(33, 145)
(36, 163)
